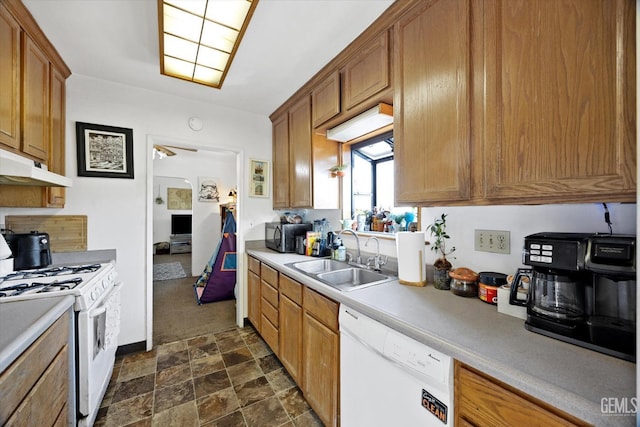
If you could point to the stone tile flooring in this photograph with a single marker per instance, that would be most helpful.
(230, 378)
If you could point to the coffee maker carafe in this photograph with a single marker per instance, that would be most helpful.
(583, 290)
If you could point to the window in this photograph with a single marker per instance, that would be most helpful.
(372, 176)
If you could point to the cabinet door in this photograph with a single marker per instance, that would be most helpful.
(291, 337)
(56, 195)
(560, 100)
(368, 72)
(35, 100)
(255, 311)
(9, 80)
(325, 99)
(320, 371)
(281, 162)
(432, 103)
(300, 154)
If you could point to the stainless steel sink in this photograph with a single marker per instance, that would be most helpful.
(339, 274)
(317, 266)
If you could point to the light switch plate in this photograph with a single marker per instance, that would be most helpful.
(496, 241)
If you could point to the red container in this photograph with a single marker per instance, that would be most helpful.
(488, 285)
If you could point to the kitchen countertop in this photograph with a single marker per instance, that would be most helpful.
(565, 376)
(24, 321)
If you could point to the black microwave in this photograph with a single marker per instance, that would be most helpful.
(281, 237)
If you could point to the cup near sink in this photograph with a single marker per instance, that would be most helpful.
(340, 274)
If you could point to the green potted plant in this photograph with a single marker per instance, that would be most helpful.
(441, 266)
(338, 170)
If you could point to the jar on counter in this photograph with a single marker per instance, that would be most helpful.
(465, 282)
(489, 284)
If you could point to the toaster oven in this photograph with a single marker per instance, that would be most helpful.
(281, 237)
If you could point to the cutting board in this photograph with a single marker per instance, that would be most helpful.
(67, 233)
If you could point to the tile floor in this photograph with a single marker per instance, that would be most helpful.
(230, 378)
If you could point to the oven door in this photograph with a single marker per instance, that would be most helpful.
(98, 329)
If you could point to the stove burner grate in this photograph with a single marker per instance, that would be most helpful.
(50, 272)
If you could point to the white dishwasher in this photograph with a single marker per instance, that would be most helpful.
(389, 379)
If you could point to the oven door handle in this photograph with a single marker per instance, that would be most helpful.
(97, 312)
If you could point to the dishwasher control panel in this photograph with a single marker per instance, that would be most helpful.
(417, 356)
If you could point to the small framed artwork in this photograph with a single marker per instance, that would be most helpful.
(258, 178)
(179, 198)
(208, 189)
(104, 151)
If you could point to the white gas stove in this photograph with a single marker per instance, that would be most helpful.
(97, 307)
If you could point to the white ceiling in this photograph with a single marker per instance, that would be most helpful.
(287, 42)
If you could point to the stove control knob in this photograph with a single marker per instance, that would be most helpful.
(94, 295)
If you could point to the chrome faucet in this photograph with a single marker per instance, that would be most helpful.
(378, 260)
(359, 257)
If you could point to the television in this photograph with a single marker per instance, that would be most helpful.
(181, 224)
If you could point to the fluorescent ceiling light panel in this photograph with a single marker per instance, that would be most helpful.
(373, 119)
(199, 38)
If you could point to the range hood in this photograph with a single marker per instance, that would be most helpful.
(373, 119)
(18, 170)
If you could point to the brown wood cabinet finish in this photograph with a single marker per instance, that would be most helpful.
(35, 105)
(290, 325)
(560, 119)
(269, 306)
(56, 196)
(483, 401)
(321, 355)
(40, 373)
(432, 109)
(254, 297)
(10, 75)
(281, 162)
(300, 154)
(368, 72)
(325, 100)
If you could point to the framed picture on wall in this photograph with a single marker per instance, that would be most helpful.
(104, 151)
(208, 189)
(258, 178)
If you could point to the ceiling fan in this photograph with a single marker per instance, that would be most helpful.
(165, 149)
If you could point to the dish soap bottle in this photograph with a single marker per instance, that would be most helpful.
(342, 252)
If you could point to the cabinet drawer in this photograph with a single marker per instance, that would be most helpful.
(254, 265)
(269, 333)
(269, 275)
(291, 289)
(47, 397)
(484, 402)
(269, 293)
(322, 308)
(270, 312)
(19, 378)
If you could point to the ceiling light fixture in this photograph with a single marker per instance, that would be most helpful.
(373, 119)
(199, 38)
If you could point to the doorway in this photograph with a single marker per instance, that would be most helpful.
(227, 164)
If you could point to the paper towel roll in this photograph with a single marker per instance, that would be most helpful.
(411, 258)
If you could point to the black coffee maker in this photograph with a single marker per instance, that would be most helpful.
(582, 290)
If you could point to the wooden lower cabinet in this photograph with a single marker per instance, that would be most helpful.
(35, 387)
(291, 327)
(321, 355)
(254, 297)
(480, 400)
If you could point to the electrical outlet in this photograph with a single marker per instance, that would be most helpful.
(496, 241)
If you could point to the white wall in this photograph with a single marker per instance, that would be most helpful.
(117, 208)
(161, 212)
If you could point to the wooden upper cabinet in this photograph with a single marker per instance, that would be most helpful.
(300, 154)
(325, 99)
(432, 106)
(9, 80)
(368, 72)
(560, 120)
(57, 96)
(35, 101)
(280, 142)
